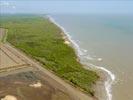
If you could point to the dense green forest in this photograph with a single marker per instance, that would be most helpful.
(42, 40)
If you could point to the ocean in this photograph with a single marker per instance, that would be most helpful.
(104, 42)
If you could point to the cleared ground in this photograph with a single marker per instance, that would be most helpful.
(9, 58)
(30, 86)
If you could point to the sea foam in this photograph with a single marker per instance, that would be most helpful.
(111, 77)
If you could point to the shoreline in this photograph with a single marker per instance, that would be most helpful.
(106, 77)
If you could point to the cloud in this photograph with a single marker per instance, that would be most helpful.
(5, 4)
(14, 7)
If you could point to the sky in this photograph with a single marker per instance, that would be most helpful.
(66, 6)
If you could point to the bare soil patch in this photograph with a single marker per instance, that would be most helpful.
(18, 86)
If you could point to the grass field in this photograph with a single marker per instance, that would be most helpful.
(41, 39)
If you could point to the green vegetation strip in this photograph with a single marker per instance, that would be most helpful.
(41, 39)
(3, 39)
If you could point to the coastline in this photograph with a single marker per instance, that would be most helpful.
(106, 77)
